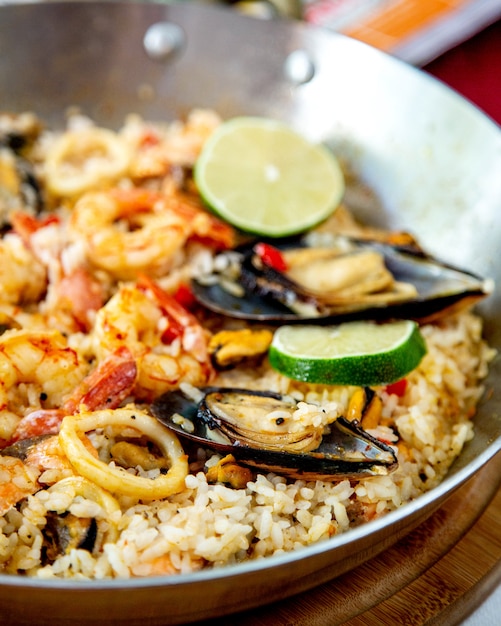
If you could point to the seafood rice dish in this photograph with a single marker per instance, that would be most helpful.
(143, 429)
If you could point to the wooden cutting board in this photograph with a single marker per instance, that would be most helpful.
(436, 575)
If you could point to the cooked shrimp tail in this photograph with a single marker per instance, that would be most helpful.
(129, 231)
(108, 385)
(105, 387)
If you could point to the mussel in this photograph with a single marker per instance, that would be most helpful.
(230, 421)
(19, 185)
(65, 532)
(19, 130)
(345, 278)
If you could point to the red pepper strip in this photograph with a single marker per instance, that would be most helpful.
(178, 317)
(185, 297)
(173, 331)
(398, 388)
(25, 224)
(271, 256)
(149, 138)
(174, 328)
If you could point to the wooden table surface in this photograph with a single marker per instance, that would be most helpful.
(437, 575)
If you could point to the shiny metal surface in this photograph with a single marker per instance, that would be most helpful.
(432, 157)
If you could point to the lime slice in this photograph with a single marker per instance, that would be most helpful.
(262, 177)
(355, 353)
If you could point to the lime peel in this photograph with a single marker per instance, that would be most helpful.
(263, 177)
(354, 353)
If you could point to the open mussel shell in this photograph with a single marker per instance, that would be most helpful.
(248, 307)
(347, 451)
(271, 296)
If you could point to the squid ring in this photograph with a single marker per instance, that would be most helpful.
(79, 486)
(117, 480)
(85, 159)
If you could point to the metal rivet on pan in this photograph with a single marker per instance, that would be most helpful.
(163, 40)
(299, 68)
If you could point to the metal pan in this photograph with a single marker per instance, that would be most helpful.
(433, 158)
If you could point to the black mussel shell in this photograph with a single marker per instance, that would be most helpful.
(347, 451)
(65, 532)
(26, 195)
(440, 287)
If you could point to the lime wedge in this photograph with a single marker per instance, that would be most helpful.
(262, 177)
(354, 353)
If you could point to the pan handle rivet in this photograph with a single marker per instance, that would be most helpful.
(163, 40)
(298, 67)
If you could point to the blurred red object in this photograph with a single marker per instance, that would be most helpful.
(472, 69)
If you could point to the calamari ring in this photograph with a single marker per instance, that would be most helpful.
(117, 480)
(78, 486)
(85, 159)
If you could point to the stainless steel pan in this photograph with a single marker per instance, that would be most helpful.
(434, 160)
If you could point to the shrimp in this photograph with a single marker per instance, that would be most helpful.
(157, 151)
(106, 387)
(49, 460)
(74, 301)
(13, 316)
(167, 342)
(37, 369)
(126, 232)
(72, 293)
(17, 480)
(37, 462)
(23, 278)
(158, 566)
(161, 565)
